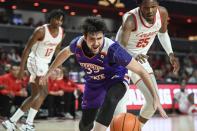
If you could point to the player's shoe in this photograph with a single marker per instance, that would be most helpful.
(27, 127)
(9, 126)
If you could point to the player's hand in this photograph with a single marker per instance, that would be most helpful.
(174, 62)
(141, 58)
(157, 105)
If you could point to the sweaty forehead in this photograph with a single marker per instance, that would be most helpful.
(58, 17)
(95, 34)
(149, 2)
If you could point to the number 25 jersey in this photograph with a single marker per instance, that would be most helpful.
(142, 37)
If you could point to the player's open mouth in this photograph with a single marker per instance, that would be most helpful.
(95, 47)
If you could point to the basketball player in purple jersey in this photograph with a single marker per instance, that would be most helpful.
(104, 62)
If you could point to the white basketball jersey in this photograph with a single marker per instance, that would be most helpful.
(143, 36)
(44, 50)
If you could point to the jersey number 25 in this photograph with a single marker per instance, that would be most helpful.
(143, 42)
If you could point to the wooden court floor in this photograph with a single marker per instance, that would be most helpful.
(173, 123)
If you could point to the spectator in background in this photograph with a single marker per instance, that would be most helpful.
(193, 78)
(4, 58)
(62, 95)
(30, 22)
(55, 98)
(71, 93)
(159, 76)
(4, 19)
(14, 57)
(185, 100)
(11, 90)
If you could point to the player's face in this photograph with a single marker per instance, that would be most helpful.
(148, 9)
(56, 22)
(94, 41)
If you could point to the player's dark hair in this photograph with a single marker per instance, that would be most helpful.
(94, 24)
(56, 13)
(140, 1)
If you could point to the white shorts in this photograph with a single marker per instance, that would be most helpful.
(36, 68)
(134, 77)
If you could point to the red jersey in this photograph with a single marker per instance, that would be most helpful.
(11, 84)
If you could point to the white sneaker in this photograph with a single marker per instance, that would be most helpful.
(27, 127)
(9, 126)
(69, 116)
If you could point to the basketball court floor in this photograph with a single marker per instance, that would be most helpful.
(173, 123)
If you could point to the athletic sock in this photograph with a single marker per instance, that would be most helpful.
(31, 115)
(17, 115)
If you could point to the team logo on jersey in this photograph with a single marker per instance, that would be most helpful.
(102, 56)
(115, 76)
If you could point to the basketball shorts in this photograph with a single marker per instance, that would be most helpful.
(36, 68)
(94, 97)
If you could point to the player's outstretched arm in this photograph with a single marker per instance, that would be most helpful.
(138, 69)
(61, 57)
(165, 39)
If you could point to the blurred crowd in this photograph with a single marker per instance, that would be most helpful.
(164, 71)
(16, 19)
(63, 100)
(160, 64)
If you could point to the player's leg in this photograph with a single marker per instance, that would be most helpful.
(42, 92)
(121, 107)
(87, 120)
(147, 110)
(122, 104)
(37, 102)
(113, 96)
